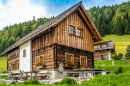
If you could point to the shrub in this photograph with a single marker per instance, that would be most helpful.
(114, 56)
(120, 56)
(117, 57)
(3, 77)
(119, 70)
(67, 81)
(127, 54)
(32, 81)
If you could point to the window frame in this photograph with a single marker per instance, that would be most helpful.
(70, 31)
(66, 57)
(24, 53)
(43, 60)
(79, 31)
(83, 57)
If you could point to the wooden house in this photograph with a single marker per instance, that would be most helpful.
(103, 50)
(70, 36)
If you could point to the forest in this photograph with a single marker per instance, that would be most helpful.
(113, 19)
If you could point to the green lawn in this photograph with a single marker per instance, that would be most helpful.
(116, 38)
(3, 63)
(121, 79)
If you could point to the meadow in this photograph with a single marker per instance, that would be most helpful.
(3, 63)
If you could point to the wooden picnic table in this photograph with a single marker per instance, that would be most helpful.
(31, 72)
(84, 70)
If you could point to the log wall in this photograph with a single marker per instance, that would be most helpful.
(48, 53)
(13, 60)
(61, 50)
(97, 54)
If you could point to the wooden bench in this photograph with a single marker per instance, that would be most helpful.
(15, 75)
(73, 74)
(43, 74)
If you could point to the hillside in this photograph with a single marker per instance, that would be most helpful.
(121, 42)
(107, 19)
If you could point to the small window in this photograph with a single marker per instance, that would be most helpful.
(72, 30)
(41, 59)
(83, 60)
(24, 53)
(69, 58)
(79, 32)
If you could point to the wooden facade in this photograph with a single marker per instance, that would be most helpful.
(63, 37)
(71, 32)
(13, 60)
(60, 41)
(103, 50)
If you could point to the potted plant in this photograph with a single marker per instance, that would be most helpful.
(70, 65)
(84, 66)
(40, 65)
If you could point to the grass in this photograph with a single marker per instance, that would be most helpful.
(121, 79)
(121, 42)
(116, 38)
(3, 63)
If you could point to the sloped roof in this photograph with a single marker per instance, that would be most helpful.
(52, 23)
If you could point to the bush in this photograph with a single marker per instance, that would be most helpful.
(32, 81)
(3, 77)
(114, 56)
(127, 54)
(117, 57)
(120, 56)
(67, 81)
(119, 70)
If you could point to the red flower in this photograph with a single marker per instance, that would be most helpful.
(68, 60)
(72, 67)
(35, 64)
(84, 63)
(71, 62)
(88, 65)
(38, 62)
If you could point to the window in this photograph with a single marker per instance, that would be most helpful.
(79, 31)
(100, 46)
(69, 58)
(13, 66)
(24, 53)
(41, 59)
(72, 30)
(83, 60)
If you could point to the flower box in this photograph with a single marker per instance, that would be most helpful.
(83, 67)
(40, 67)
(69, 67)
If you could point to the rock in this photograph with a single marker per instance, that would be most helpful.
(54, 81)
(10, 82)
(20, 82)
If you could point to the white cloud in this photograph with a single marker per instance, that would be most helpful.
(16, 11)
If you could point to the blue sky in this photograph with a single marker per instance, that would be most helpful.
(16, 11)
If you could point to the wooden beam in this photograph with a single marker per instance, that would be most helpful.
(86, 20)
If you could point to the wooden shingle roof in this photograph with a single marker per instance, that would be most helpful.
(52, 23)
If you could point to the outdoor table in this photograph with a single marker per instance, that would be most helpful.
(31, 72)
(84, 70)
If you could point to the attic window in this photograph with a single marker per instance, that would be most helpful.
(72, 30)
(79, 32)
